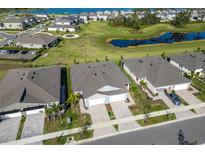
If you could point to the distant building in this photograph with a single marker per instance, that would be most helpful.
(36, 41)
(64, 28)
(14, 23)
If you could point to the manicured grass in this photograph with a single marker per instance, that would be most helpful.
(201, 87)
(11, 31)
(156, 105)
(158, 119)
(78, 120)
(63, 139)
(92, 43)
(23, 119)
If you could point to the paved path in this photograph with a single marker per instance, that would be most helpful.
(170, 104)
(121, 110)
(106, 124)
(191, 100)
(33, 126)
(99, 114)
(9, 129)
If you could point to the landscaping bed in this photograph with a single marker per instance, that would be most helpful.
(60, 123)
(23, 119)
(110, 111)
(158, 119)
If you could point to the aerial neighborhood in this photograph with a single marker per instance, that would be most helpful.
(101, 73)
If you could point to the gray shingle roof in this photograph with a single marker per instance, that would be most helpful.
(31, 85)
(43, 39)
(156, 70)
(14, 20)
(192, 61)
(90, 77)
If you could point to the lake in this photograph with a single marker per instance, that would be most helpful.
(168, 38)
(69, 10)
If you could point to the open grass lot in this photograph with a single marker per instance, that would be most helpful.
(158, 119)
(11, 31)
(92, 43)
(201, 87)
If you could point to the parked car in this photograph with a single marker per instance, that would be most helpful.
(173, 97)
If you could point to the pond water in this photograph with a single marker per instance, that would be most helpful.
(168, 37)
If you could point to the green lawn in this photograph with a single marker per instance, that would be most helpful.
(18, 136)
(92, 43)
(201, 87)
(158, 119)
(11, 31)
(63, 139)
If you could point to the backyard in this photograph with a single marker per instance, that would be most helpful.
(94, 36)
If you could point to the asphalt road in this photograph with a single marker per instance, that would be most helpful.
(193, 130)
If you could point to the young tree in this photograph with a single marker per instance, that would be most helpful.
(163, 55)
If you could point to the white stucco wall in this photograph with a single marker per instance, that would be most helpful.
(13, 25)
(184, 69)
(61, 29)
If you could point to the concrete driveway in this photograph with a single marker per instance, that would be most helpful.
(170, 104)
(33, 125)
(191, 100)
(99, 114)
(9, 129)
(121, 110)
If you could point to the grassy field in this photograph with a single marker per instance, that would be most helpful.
(92, 43)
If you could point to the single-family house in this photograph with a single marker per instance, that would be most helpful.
(84, 17)
(69, 28)
(38, 41)
(93, 17)
(189, 62)
(156, 73)
(64, 21)
(29, 90)
(99, 83)
(14, 23)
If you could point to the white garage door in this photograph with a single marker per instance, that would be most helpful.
(116, 98)
(181, 86)
(96, 101)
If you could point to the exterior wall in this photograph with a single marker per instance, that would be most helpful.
(38, 46)
(35, 111)
(14, 26)
(61, 29)
(116, 98)
(10, 115)
(62, 23)
(129, 72)
(184, 69)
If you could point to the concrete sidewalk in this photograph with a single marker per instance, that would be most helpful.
(39, 138)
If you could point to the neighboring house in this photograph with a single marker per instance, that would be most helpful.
(102, 17)
(69, 28)
(30, 20)
(84, 17)
(29, 90)
(156, 73)
(99, 83)
(93, 17)
(14, 23)
(189, 62)
(64, 21)
(36, 41)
